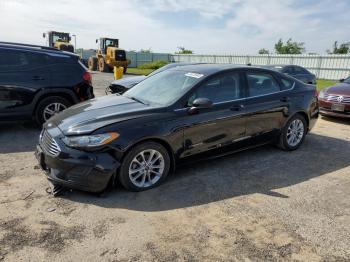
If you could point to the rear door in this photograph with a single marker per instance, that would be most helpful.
(223, 123)
(22, 75)
(266, 103)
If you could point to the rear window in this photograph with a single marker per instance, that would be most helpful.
(300, 70)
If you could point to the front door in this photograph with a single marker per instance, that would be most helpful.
(223, 123)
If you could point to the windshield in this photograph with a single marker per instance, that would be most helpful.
(163, 68)
(112, 42)
(60, 37)
(163, 88)
(347, 80)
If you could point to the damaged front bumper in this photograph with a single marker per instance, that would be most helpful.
(71, 168)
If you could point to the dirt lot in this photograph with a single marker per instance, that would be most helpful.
(258, 205)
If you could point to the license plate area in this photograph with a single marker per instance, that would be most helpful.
(338, 107)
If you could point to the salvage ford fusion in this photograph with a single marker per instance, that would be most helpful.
(137, 138)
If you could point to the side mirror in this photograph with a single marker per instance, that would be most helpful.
(96, 41)
(342, 80)
(200, 103)
(44, 35)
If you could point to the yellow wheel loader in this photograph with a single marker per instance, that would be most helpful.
(59, 40)
(108, 55)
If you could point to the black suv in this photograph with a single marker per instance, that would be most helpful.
(37, 82)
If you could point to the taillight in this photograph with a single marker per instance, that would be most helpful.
(87, 76)
(315, 93)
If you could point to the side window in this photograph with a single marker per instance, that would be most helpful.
(287, 83)
(221, 88)
(300, 70)
(36, 60)
(11, 60)
(288, 70)
(261, 84)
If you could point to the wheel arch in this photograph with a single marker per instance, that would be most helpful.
(160, 141)
(67, 94)
(303, 114)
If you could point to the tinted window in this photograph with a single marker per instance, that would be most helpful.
(261, 84)
(288, 70)
(287, 83)
(221, 88)
(300, 70)
(12, 60)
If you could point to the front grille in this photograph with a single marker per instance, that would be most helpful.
(338, 99)
(120, 55)
(49, 144)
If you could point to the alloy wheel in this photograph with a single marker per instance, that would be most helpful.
(146, 168)
(52, 109)
(295, 132)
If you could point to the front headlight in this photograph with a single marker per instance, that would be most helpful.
(321, 94)
(91, 141)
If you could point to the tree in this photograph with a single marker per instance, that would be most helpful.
(344, 48)
(149, 50)
(263, 51)
(290, 47)
(183, 50)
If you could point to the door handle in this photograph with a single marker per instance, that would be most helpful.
(285, 99)
(37, 78)
(237, 108)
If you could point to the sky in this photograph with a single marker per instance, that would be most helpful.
(204, 26)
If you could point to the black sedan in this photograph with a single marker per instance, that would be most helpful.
(122, 85)
(137, 138)
(295, 71)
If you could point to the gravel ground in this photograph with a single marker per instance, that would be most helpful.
(258, 205)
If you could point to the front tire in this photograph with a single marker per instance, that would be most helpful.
(144, 167)
(102, 66)
(92, 63)
(293, 133)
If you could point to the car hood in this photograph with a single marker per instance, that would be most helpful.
(339, 89)
(91, 115)
(129, 81)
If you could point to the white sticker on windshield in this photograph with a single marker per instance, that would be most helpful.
(195, 75)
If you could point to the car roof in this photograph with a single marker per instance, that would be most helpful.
(208, 69)
(34, 48)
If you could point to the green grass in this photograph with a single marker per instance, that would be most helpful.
(139, 71)
(321, 84)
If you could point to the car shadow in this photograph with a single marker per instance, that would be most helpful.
(261, 170)
(18, 137)
(337, 120)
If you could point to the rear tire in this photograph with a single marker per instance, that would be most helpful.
(293, 133)
(48, 105)
(102, 66)
(92, 63)
(145, 166)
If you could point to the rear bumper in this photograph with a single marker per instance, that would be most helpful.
(77, 169)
